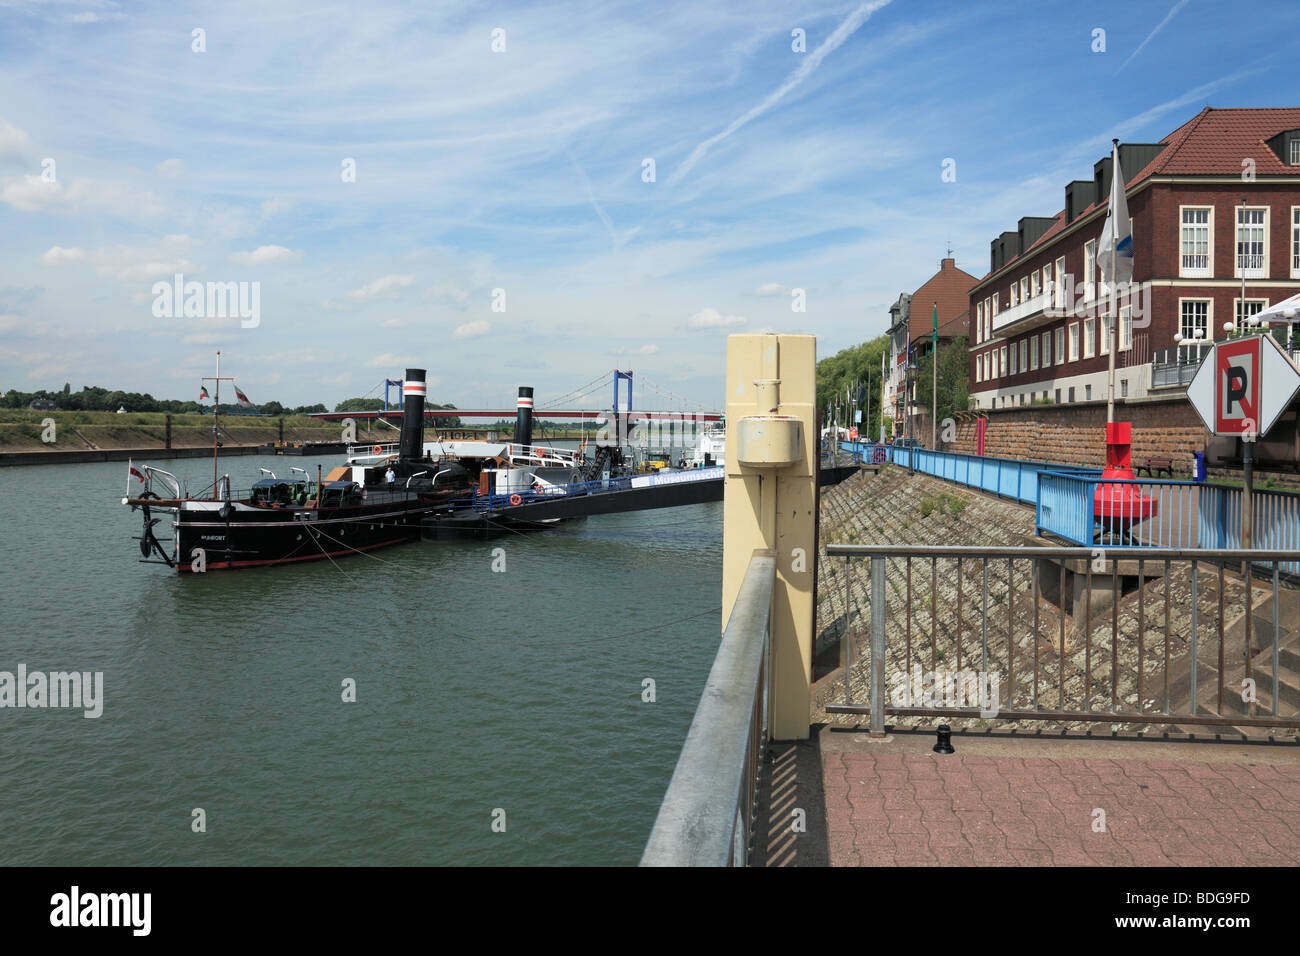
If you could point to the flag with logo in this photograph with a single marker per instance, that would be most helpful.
(203, 392)
(1115, 249)
(243, 399)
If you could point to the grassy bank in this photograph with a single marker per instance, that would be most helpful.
(21, 430)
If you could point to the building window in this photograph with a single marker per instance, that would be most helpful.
(1047, 349)
(1058, 396)
(1074, 342)
(1033, 353)
(1034, 288)
(1090, 269)
(1024, 288)
(1089, 347)
(1047, 278)
(1194, 318)
(1295, 152)
(1060, 283)
(979, 368)
(1196, 252)
(1060, 346)
(979, 322)
(1087, 393)
(1024, 355)
(1071, 395)
(1252, 233)
(1014, 299)
(1103, 347)
(1123, 388)
(1253, 307)
(1011, 370)
(995, 304)
(1125, 328)
(1295, 239)
(1002, 361)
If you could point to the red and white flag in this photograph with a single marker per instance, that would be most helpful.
(203, 392)
(243, 399)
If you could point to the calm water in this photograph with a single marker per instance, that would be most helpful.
(476, 690)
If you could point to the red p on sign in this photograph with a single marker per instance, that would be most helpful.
(1236, 387)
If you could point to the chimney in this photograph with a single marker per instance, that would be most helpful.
(524, 416)
(413, 393)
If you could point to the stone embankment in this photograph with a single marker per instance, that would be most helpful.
(1099, 655)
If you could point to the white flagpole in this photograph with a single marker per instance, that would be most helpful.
(1114, 319)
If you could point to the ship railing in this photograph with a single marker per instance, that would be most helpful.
(708, 813)
(368, 451)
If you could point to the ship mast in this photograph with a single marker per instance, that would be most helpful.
(216, 417)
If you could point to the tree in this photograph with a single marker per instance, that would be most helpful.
(954, 380)
(358, 405)
(859, 364)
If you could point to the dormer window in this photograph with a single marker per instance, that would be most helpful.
(1286, 146)
(1295, 152)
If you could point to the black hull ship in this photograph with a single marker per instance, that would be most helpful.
(354, 509)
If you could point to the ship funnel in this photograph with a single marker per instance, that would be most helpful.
(524, 416)
(413, 393)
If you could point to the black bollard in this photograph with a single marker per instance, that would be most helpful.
(944, 744)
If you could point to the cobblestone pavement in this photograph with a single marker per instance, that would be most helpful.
(1090, 803)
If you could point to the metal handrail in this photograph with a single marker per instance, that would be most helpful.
(1236, 555)
(706, 817)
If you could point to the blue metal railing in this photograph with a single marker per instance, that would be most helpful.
(1275, 520)
(1148, 514)
(1007, 477)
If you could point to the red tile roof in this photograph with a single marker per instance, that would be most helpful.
(949, 288)
(1211, 143)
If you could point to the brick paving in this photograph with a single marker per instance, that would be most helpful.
(918, 808)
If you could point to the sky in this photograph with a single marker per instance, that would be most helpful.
(467, 187)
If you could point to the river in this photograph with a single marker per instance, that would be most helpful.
(482, 696)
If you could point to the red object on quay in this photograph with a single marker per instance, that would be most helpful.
(1115, 503)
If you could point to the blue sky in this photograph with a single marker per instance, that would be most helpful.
(522, 170)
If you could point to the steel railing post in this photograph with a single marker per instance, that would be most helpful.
(877, 726)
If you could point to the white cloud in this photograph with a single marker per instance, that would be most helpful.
(14, 143)
(388, 360)
(266, 256)
(472, 330)
(31, 193)
(57, 255)
(771, 288)
(639, 350)
(164, 257)
(171, 168)
(386, 287)
(710, 318)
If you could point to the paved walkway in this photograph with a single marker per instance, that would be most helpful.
(1046, 801)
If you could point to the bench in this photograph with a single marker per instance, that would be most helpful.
(1155, 466)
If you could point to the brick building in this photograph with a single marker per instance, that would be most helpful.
(912, 325)
(1217, 198)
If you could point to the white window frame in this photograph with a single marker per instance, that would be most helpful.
(1259, 271)
(1013, 369)
(1089, 338)
(1047, 278)
(1295, 239)
(1072, 334)
(1033, 353)
(1059, 298)
(979, 322)
(1024, 355)
(979, 368)
(1295, 152)
(1209, 317)
(1125, 328)
(1002, 361)
(1034, 288)
(1090, 270)
(995, 305)
(1193, 271)
(1047, 348)
(1024, 288)
(1058, 351)
(1103, 334)
(1236, 307)
(1014, 299)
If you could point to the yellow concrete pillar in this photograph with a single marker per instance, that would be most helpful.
(772, 449)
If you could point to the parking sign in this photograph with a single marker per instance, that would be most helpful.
(1242, 386)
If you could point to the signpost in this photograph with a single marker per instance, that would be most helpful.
(1241, 388)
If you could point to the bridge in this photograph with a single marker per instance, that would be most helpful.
(551, 409)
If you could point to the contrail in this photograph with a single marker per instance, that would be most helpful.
(1159, 26)
(831, 44)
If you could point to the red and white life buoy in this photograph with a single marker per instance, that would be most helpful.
(378, 449)
(516, 500)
